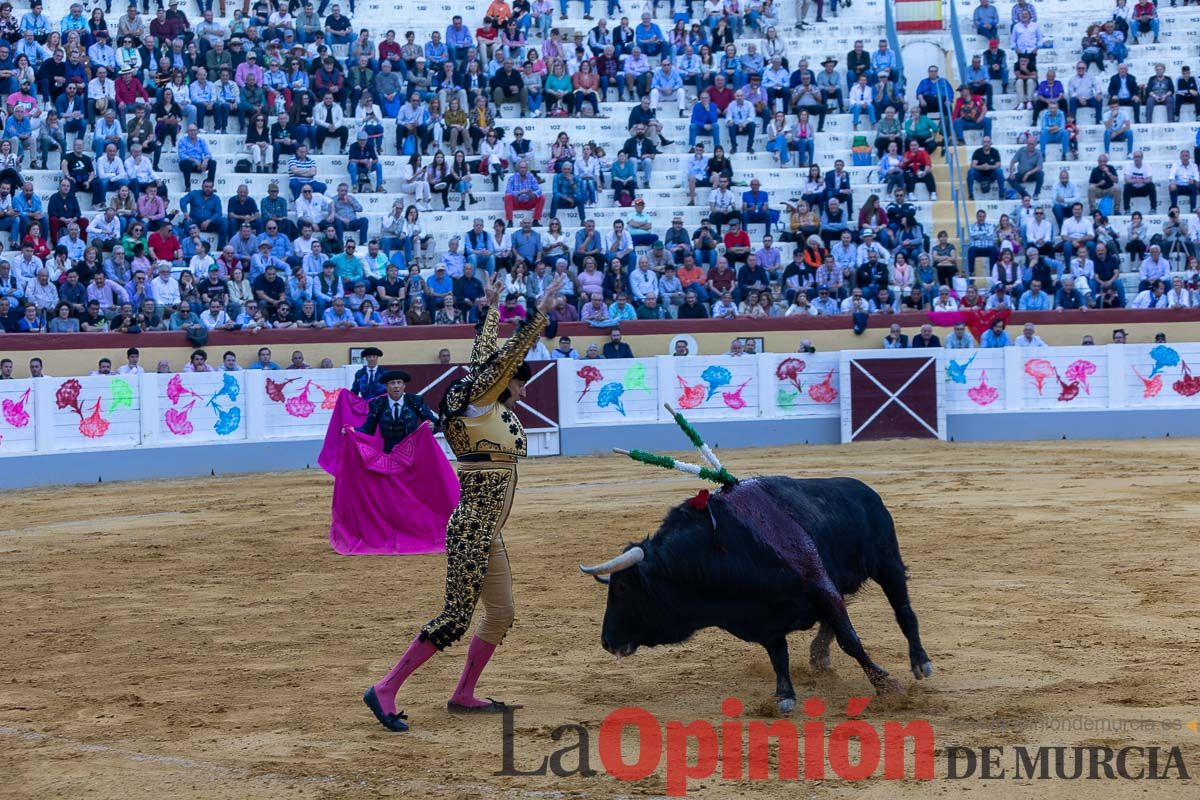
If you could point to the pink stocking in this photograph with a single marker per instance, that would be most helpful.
(478, 655)
(420, 651)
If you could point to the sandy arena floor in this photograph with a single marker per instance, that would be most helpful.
(199, 639)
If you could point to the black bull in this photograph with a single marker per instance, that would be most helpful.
(765, 558)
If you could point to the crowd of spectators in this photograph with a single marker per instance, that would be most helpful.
(292, 80)
(1060, 228)
(197, 362)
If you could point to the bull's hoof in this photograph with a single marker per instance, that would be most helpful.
(922, 671)
(786, 705)
(888, 686)
(820, 663)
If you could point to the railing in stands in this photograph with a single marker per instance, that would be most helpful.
(957, 177)
(960, 49)
(889, 24)
(962, 211)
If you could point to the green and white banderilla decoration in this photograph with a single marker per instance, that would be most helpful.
(715, 472)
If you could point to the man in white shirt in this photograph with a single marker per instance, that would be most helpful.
(1154, 297)
(1039, 232)
(944, 302)
(667, 84)
(695, 172)
(131, 365)
(1178, 296)
(102, 92)
(722, 205)
(1029, 337)
(1184, 178)
(1083, 90)
(618, 243)
(1076, 230)
(862, 101)
(1066, 194)
(110, 174)
(856, 303)
(642, 281)
(313, 208)
(214, 317)
(104, 227)
(1139, 182)
(139, 169)
(869, 244)
(1154, 268)
(164, 289)
(725, 308)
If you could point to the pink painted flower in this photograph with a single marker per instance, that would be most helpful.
(983, 394)
(1079, 371)
(734, 399)
(177, 420)
(300, 405)
(176, 389)
(15, 413)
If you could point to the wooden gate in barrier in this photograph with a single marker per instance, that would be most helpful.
(888, 397)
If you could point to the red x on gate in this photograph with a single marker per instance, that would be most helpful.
(893, 398)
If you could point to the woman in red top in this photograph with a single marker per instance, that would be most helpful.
(917, 169)
(35, 239)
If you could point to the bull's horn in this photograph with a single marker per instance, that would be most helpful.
(624, 561)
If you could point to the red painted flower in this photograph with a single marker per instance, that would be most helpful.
(67, 396)
(691, 396)
(823, 392)
(93, 425)
(590, 375)
(1188, 386)
(275, 389)
(789, 370)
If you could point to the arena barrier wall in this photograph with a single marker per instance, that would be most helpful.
(158, 425)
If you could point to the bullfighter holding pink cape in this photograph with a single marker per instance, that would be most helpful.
(483, 430)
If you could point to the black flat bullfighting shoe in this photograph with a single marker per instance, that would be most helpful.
(393, 722)
(492, 707)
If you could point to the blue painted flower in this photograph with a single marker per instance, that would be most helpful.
(610, 395)
(227, 420)
(1163, 357)
(958, 372)
(229, 388)
(716, 377)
